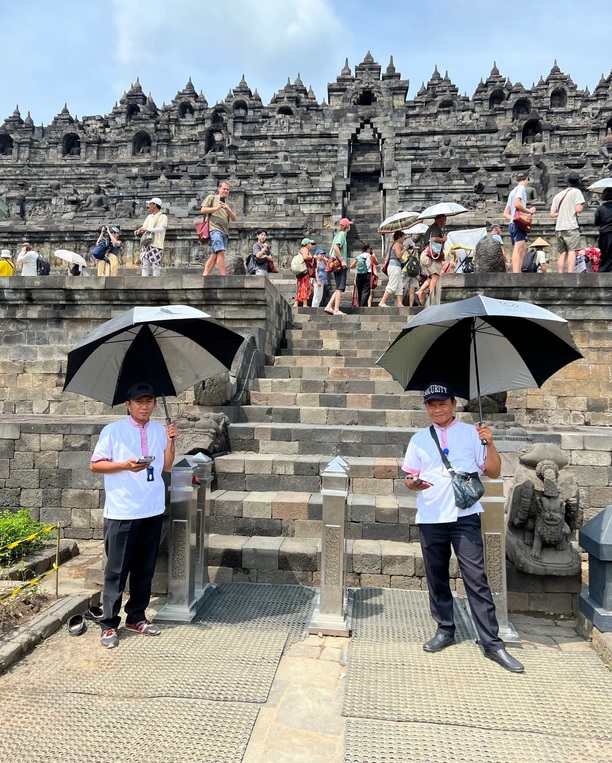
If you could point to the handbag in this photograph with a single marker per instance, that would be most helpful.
(355, 300)
(272, 267)
(373, 281)
(467, 486)
(333, 265)
(146, 239)
(203, 230)
(435, 250)
(522, 221)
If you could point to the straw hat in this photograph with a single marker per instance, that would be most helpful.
(540, 242)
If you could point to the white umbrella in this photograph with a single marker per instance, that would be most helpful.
(416, 228)
(448, 208)
(67, 256)
(600, 185)
(398, 221)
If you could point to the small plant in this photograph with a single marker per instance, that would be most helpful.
(15, 526)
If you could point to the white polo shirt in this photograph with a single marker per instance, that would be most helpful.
(465, 453)
(128, 495)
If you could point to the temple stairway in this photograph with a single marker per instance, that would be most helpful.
(323, 397)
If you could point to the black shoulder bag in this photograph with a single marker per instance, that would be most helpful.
(467, 486)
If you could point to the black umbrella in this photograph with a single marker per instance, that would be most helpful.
(170, 347)
(480, 346)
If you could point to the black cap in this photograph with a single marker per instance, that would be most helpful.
(493, 226)
(142, 389)
(573, 178)
(438, 391)
(522, 176)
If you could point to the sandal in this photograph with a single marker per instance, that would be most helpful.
(76, 625)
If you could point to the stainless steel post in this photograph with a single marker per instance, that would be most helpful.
(493, 528)
(182, 543)
(330, 616)
(203, 471)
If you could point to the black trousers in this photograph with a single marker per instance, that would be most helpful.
(363, 288)
(131, 547)
(465, 539)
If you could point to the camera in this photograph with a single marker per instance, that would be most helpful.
(222, 199)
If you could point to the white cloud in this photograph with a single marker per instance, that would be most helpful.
(215, 43)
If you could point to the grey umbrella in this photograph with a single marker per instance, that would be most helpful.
(171, 347)
(480, 346)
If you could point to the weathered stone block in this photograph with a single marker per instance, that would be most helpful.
(81, 499)
(366, 556)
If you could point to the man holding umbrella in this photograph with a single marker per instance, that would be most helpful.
(442, 524)
(132, 454)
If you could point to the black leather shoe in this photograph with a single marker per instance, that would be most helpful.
(439, 642)
(76, 625)
(95, 614)
(507, 661)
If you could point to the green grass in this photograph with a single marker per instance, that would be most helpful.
(15, 525)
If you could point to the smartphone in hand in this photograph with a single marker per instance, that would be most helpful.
(145, 459)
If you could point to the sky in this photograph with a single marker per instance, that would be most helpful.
(87, 53)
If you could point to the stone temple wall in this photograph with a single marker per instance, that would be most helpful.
(296, 165)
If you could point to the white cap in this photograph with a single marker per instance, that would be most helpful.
(155, 200)
(6, 254)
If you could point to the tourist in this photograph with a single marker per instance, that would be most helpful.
(442, 525)
(517, 202)
(261, 253)
(219, 217)
(363, 264)
(27, 257)
(304, 282)
(535, 259)
(434, 239)
(7, 266)
(132, 453)
(151, 251)
(339, 252)
(320, 283)
(394, 264)
(109, 266)
(565, 208)
(603, 220)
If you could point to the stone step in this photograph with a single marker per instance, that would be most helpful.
(378, 475)
(298, 514)
(327, 373)
(324, 360)
(335, 387)
(369, 315)
(258, 559)
(306, 439)
(340, 333)
(361, 358)
(333, 344)
(372, 410)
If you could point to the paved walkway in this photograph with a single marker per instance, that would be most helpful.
(214, 697)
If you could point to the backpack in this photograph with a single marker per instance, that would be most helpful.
(100, 249)
(251, 264)
(42, 266)
(362, 264)
(529, 263)
(298, 266)
(412, 268)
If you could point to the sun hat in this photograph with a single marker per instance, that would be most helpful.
(540, 242)
(307, 241)
(155, 200)
(5, 254)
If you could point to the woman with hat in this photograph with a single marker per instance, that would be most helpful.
(7, 267)
(539, 259)
(109, 266)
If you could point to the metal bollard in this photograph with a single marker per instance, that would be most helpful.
(187, 539)
(330, 615)
(493, 529)
(203, 472)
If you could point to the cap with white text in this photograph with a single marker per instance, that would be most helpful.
(438, 391)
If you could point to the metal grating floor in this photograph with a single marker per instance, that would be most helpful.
(387, 614)
(558, 694)
(213, 663)
(259, 606)
(375, 742)
(49, 728)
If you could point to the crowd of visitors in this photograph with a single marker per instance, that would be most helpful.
(412, 269)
